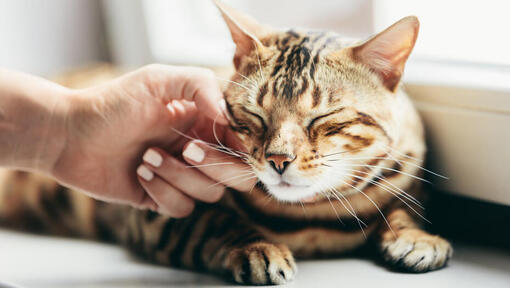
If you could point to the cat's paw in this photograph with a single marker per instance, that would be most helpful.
(415, 250)
(262, 263)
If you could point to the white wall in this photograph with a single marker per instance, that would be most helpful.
(192, 31)
(47, 36)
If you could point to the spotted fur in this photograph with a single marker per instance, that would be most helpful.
(315, 99)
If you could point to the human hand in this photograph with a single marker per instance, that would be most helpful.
(109, 127)
(169, 180)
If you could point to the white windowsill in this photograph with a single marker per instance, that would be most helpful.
(466, 111)
(470, 86)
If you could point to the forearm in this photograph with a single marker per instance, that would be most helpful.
(32, 121)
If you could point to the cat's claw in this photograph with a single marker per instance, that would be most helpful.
(262, 264)
(417, 251)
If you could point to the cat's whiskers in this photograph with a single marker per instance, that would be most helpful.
(400, 153)
(208, 165)
(244, 176)
(239, 181)
(334, 209)
(375, 205)
(218, 140)
(252, 187)
(403, 155)
(248, 79)
(337, 194)
(386, 168)
(385, 148)
(407, 195)
(385, 188)
(213, 146)
(392, 159)
(236, 83)
(267, 200)
(341, 152)
(353, 213)
(303, 207)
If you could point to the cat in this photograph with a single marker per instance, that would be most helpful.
(334, 140)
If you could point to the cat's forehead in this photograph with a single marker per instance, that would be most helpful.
(307, 41)
(295, 71)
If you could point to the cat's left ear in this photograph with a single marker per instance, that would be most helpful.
(387, 52)
(245, 31)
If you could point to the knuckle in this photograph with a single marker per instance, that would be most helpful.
(151, 68)
(172, 169)
(204, 74)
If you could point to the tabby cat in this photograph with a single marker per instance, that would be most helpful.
(335, 142)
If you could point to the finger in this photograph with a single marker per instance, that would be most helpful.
(235, 174)
(183, 177)
(146, 202)
(198, 85)
(170, 200)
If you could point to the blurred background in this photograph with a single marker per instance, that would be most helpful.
(46, 37)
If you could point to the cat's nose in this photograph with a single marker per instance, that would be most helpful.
(279, 162)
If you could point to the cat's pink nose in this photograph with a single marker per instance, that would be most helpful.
(279, 162)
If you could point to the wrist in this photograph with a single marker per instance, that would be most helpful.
(32, 122)
(57, 132)
(50, 133)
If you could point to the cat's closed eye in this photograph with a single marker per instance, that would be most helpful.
(316, 119)
(242, 129)
(259, 119)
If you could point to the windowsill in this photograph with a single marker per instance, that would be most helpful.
(466, 111)
(470, 86)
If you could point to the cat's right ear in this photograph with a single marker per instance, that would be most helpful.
(245, 31)
(386, 53)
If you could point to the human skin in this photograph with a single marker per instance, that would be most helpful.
(94, 139)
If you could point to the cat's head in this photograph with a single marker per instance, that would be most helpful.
(312, 108)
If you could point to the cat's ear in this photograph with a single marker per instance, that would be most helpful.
(386, 53)
(245, 31)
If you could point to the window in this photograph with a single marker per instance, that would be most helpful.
(454, 30)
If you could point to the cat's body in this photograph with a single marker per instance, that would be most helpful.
(296, 81)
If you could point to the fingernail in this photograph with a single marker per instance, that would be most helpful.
(152, 157)
(194, 153)
(145, 173)
(223, 107)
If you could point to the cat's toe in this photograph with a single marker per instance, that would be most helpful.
(262, 263)
(415, 250)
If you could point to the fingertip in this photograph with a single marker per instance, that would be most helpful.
(193, 152)
(224, 114)
(144, 173)
(153, 157)
(213, 110)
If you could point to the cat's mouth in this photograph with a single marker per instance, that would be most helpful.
(284, 184)
(292, 192)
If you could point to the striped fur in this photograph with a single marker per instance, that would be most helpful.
(309, 96)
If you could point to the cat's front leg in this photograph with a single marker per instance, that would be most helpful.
(410, 248)
(212, 239)
(261, 263)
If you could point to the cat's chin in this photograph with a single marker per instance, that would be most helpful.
(286, 192)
